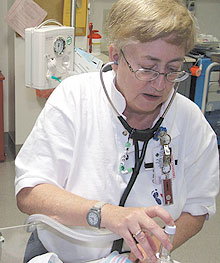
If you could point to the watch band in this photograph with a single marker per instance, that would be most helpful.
(99, 205)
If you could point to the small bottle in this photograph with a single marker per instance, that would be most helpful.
(164, 254)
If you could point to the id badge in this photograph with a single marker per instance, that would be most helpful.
(157, 165)
(167, 191)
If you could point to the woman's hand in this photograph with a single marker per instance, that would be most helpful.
(137, 223)
(133, 258)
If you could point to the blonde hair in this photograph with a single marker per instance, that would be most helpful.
(148, 20)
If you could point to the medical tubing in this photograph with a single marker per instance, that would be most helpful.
(104, 87)
(149, 133)
(141, 135)
(117, 244)
(135, 172)
(55, 78)
(172, 98)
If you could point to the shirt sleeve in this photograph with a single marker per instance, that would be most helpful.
(202, 168)
(46, 154)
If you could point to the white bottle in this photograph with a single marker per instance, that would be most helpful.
(164, 254)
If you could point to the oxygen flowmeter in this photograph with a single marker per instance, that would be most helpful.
(49, 55)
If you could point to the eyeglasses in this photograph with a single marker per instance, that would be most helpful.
(151, 74)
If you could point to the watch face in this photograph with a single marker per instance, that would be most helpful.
(93, 219)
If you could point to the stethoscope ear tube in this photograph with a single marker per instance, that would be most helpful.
(176, 86)
(104, 87)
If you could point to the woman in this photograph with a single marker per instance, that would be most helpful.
(79, 157)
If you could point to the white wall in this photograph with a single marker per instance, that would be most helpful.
(11, 85)
(7, 68)
(96, 15)
(208, 15)
(27, 104)
(11, 80)
(4, 58)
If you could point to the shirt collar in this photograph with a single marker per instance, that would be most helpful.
(116, 97)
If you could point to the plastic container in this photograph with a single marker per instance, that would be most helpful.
(96, 42)
(164, 254)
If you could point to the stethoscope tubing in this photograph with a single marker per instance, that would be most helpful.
(117, 244)
(139, 157)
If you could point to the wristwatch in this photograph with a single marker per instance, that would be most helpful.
(94, 215)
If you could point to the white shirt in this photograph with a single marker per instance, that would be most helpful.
(77, 144)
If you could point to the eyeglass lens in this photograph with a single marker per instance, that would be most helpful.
(148, 75)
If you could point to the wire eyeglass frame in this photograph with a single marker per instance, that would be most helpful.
(151, 74)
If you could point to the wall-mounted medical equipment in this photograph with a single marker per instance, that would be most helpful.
(49, 55)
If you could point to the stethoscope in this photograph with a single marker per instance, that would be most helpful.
(137, 135)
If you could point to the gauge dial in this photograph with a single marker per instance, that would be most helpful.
(59, 45)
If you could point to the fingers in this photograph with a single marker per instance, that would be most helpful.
(130, 222)
(155, 229)
(136, 234)
(132, 257)
(147, 245)
(152, 243)
(156, 211)
(133, 246)
(145, 259)
(144, 238)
